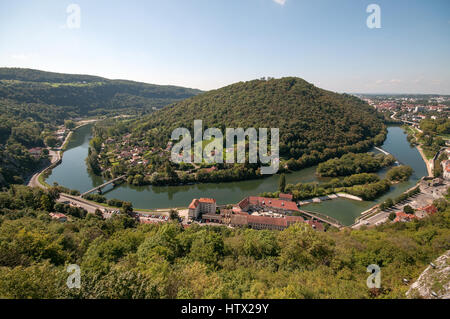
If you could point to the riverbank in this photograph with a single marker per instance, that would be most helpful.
(73, 174)
(370, 216)
(427, 162)
(418, 146)
(37, 180)
(329, 197)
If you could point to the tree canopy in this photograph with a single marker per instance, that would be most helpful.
(120, 258)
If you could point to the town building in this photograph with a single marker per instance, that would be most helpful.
(36, 152)
(212, 218)
(256, 203)
(264, 222)
(426, 211)
(271, 223)
(201, 206)
(287, 197)
(404, 217)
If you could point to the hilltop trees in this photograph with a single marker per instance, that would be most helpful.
(314, 125)
(354, 163)
(82, 95)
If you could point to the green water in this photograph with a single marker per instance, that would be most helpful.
(73, 173)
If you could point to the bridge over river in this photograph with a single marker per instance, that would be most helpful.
(99, 188)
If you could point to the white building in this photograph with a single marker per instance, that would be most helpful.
(201, 206)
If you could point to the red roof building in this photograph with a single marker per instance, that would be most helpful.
(287, 197)
(426, 211)
(201, 206)
(264, 203)
(430, 209)
(271, 223)
(403, 217)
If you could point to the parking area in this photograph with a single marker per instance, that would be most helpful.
(428, 194)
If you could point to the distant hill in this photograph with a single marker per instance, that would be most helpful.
(33, 103)
(313, 122)
(85, 94)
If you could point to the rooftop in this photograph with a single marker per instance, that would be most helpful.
(268, 202)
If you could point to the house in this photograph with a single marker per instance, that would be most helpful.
(403, 217)
(257, 203)
(35, 152)
(201, 206)
(315, 224)
(61, 132)
(210, 169)
(58, 216)
(212, 218)
(125, 155)
(264, 222)
(426, 211)
(109, 141)
(287, 197)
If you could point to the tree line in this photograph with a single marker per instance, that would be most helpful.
(120, 258)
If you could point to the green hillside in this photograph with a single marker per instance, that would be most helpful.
(85, 94)
(309, 118)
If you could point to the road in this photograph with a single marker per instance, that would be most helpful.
(426, 197)
(377, 219)
(79, 202)
(55, 156)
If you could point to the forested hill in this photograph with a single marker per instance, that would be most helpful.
(84, 94)
(311, 120)
(33, 103)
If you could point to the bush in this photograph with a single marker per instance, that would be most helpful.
(392, 216)
(115, 202)
(399, 173)
(96, 198)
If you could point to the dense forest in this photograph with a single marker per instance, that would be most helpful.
(33, 103)
(120, 258)
(315, 124)
(23, 126)
(83, 95)
(310, 119)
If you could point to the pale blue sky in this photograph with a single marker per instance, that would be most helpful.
(208, 44)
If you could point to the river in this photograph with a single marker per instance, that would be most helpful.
(72, 173)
